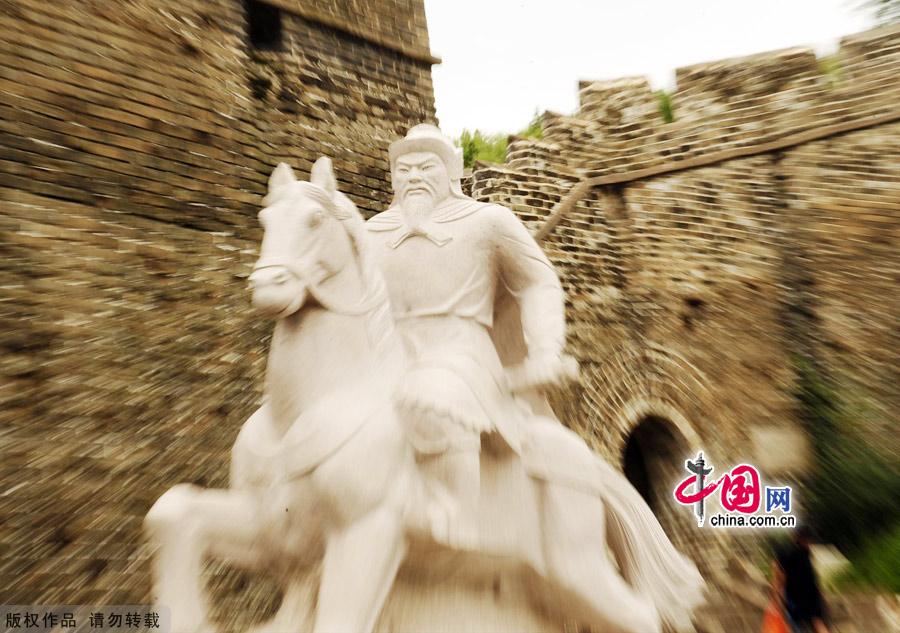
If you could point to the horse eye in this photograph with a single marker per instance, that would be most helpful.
(315, 219)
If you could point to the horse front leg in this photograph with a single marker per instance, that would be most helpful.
(185, 523)
(361, 561)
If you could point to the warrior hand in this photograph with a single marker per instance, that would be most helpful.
(541, 371)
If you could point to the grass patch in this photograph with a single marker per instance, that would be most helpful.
(665, 106)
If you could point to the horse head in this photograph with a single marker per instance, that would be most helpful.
(312, 236)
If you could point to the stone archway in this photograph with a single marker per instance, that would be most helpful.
(653, 458)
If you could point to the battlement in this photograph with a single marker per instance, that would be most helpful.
(740, 78)
(739, 103)
(612, 103)
(731, 105)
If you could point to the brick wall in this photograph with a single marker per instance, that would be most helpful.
(712, 249)
(399, 23)
(135, 142)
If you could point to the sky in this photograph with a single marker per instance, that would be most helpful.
(505, 59)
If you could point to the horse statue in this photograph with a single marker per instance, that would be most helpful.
(323, 477)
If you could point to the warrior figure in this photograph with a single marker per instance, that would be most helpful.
(451, 265)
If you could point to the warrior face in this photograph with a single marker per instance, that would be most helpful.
(420, 179)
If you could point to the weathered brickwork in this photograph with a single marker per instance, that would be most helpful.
(844, 214)
(136, 139)
(740, 103)
(762, 223)
(397, 23)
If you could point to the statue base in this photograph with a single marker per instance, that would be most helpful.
(499, 605)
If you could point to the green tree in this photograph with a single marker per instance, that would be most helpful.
(491, 148)
(535, 128)
(477, 145)
(876, 563)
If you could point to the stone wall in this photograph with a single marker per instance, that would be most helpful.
(398, 24)
(761, 224)
(135, 143)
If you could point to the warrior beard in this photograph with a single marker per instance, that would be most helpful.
(417, 207)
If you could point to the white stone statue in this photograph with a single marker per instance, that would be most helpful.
(405, 472)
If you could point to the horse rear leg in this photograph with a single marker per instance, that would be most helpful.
(360, 564)
(184, 523)
(576, 556)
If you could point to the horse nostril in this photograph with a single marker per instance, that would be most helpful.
(268, 277)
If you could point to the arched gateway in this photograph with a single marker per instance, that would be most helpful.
(652, 457)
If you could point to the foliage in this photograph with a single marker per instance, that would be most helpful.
(665, 106)
(830, 66)
(477, 145)
(852, 496)
(876, 564)
(491, 148)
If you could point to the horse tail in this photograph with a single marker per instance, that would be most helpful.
(648, 560)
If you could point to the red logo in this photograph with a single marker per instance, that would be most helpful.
(740, 488)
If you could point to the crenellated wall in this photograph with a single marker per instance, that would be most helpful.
(740, 105)
(708, 252)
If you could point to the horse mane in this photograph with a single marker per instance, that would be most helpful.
(379, 321)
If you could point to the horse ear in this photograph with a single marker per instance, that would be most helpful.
(281, 176)
(322, 174)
